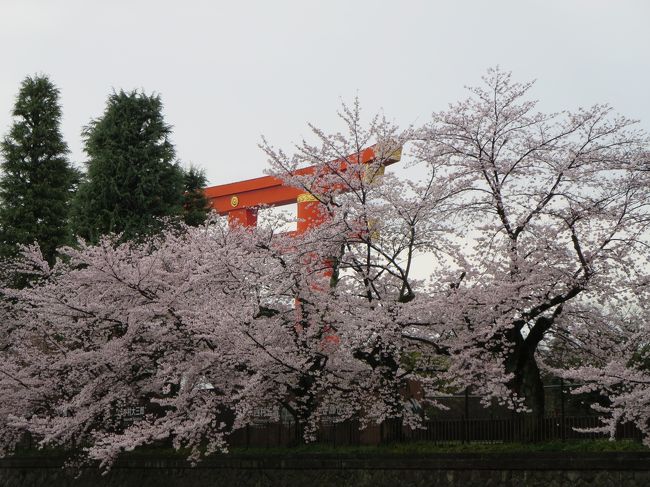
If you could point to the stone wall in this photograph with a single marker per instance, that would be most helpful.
(313, 470)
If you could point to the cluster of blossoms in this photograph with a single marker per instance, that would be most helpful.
(533, 229)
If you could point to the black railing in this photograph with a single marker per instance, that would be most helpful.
(523, 428)
(520, 428)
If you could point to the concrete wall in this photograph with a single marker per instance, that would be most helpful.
(312, 470)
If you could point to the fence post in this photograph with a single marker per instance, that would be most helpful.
(562, 416)
(466, 418)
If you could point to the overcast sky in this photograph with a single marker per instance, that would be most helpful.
(229, 72)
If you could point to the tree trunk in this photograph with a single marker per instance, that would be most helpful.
(527, 384)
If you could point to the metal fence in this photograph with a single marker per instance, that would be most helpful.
(464, 419)
(519, 428)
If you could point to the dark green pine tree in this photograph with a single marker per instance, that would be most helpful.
(132, 179)
(195, 203)
(38, 180)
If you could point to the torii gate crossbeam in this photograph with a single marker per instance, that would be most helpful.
(240, 200)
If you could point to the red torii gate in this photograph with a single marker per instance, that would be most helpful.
(240, 200)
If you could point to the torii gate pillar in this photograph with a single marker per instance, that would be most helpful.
(245, 217)
(310, 212)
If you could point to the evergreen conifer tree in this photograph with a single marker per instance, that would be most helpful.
(37, 179)
(132, 178)
(195, 203)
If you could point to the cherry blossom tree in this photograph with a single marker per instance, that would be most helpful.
(201, 328)
(375, 224)
(558, 216)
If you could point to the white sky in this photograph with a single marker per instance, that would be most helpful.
(231, 71)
